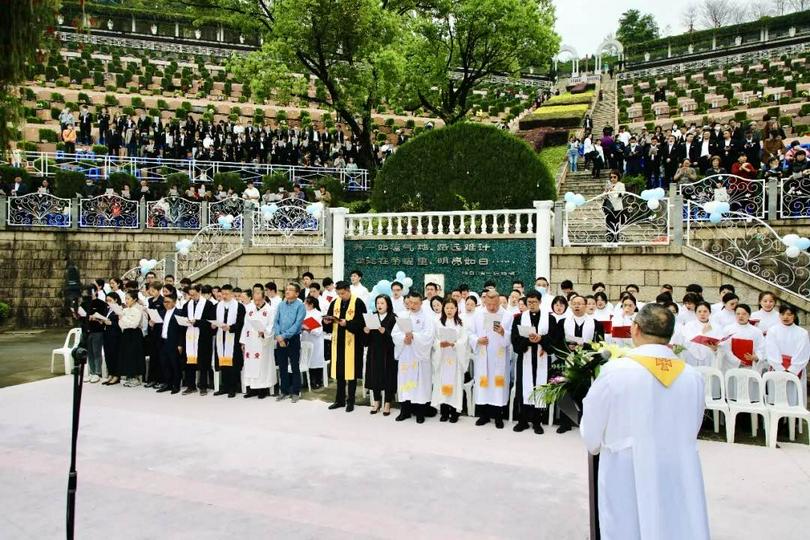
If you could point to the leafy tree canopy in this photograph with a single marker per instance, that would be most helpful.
(635, 27)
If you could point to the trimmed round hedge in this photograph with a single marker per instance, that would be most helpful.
(462, 167)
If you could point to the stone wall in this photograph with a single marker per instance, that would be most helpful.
(260, 265)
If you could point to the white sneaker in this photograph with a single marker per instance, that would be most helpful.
(87, 378)
(133, 382)
(94, 379)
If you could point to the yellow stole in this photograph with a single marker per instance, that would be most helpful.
(348, 350)
(666, 370)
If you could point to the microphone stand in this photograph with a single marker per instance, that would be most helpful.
(78, 376)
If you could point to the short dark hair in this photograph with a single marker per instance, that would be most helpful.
(746, 307)
(342, 285)
(600, 294)
(694, 287)
(307, 274)
(327, 281)
(415, 294)
(632, 286)
(226, 287)
(656, 320)
(728, 297)
(271, 286)
(534, 294)
(597, 285)
(432, 284)
(315, 285)
(295, 285)
(727, 287)
(206, 289)
(784, 308)
(663, 298)
(358, 272)
(566, 284)
(398, 284)
(667, 286)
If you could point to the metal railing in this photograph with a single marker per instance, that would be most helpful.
(109, 212)
(157, 169)
(39, 210)
(794, 197)
(290, 222)
(617, 220)
(173, 213)
(232, 206)
(750, 245)
(514, 223)
(745, 197)
(209, 247)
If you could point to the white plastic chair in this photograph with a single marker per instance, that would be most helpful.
(746, 383)
(305, 359)
(326, 368)
(716, 404)
(469, 389)
(66, 351)
(779, 406)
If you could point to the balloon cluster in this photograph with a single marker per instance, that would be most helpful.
(573, 201)
(716, 209)
(183, 246)
(226, 221)
(146, 265)
(384, 286)
(268, 211)
(795, 244)
(653, 197)
(315, 210)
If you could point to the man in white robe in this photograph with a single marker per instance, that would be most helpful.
(397, 300)
(642, 416)
(412, 351)
(490, 341)
(358, 289)
(258, 342)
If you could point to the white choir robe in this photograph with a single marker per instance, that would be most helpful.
(685, 316)
(788, 349)
(315, 337)
(414, 373)
(695, 353)
(449, 366)
(362, 293)
(398, 304)
(620, 321)
(650, 479)
(747, 332)
(723, 318)
(259, 369)
(491, 363)
(765, 319)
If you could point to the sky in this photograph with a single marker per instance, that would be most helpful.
(583, 24)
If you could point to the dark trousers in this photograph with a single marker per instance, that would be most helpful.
(341, 396)
(172, 364)
(290, 356)
(489, 411)
(155, 374)
(203, 367)
(448, 410)
(231, 381)
(389, 396)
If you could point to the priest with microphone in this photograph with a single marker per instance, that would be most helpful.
(642, 416)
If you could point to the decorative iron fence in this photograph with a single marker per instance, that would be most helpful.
(232, 206)
(626, 219)
(173, 213)
(794, 197)
(751, 246)
(39, 210)
(212, 244)
(745, 197)
(290, 222)
(135, 274)
(109, 211)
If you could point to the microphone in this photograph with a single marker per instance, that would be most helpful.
(605, 355)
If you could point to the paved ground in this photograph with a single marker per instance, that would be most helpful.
(25, 355)
(192, 467)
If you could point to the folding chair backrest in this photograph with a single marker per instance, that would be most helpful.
(778, 389)
(306, 354)
(745, 380)
(72, 338)
(713, 380)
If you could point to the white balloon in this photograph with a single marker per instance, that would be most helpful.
(792, 252)
(570, 206)
(790, 239)
(184, 251)
(653, 204)
(408, 282)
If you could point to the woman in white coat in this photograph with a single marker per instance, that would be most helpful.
(315, 337)
(698, 354)
(767, 315)
(450, 358)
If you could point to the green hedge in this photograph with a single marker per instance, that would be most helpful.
(465, 165)
(180, 180)
(68, 183)
(229, 180)
(48, 135)
(555, 116)
(118, 180)
(571, 99)
(8, 174)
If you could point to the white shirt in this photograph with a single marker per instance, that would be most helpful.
(164, 332)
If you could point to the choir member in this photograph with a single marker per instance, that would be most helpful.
(155, 302)
(132, 358)
(470, 305)
(112, 340)
(381, 364)
(412, 351)
(314, 336)
(700, 354)
(489, 339)
(620, 325)
(531, 369)
(726, 316)
(199, 344)
(257, 341)
(451, 359)
(724, 290)
(229, 322)
(397, 300)
(766, 316)
(94, 329)
(746, 347)
(788, 348)
(172, 340)
(345, 322)
(358, 289)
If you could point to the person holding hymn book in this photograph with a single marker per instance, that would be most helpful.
(287, 329)
(154, 306)
(531, 370)
(489, 339)
(345, 322)
(90, 311)
(701, 337)
(172, 340)
(199, 340)
(413, 339)
(132, 359)
(112, 340)
(686, 312)
(228, 324)
(313, 333)
(451, 358)
(766, 316)
(726, 316)
(746, 348)
(257, 342)
(620, 327)
(787, 348)
(381, 364)
(642, 416)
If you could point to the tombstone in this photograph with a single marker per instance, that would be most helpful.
(738, 41)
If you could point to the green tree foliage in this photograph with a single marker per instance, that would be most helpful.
(473, 40)
(22, 40)
(463, 166)
(635, 27)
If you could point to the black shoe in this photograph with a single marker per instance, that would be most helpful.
(420, 419)
(203, 392)
(349, 407)
(249, 394)
(336, 405)
(454, 418)
(175, 391)
(499, 423)
(163, 389)
(520, 426)
(563, 428)
(220, 393)
(481, 421)
(538, 428)
(188, 391)
(262, 395)
(402, 416)
(231, 394)
(444, 418)
(149, 385)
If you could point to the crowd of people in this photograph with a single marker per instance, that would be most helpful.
(425, 351)
(685, 153)
(200, 139)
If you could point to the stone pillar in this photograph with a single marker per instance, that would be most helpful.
(714, 42)
(559, 223)
(542, 250)
(247, 224)
(133, 24)
(142, 214)
(676, 219)
(669, 50)
(177, 29)
(75, 208)
(204, 214)
(773, 200)
(171, 265)
(3, 212)
(338, 241)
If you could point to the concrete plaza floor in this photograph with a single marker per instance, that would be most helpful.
(161, 466)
